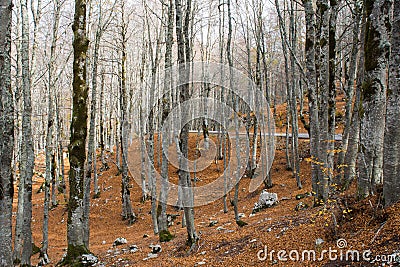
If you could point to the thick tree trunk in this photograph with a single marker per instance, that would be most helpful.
(391, 167)
(373, 95)
(6, 136)
(77, 149)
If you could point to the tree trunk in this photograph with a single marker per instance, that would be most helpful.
(391, 167)
(23, 243)
(373, 95)
(127, 211)
(6, 136)
(312, 91)
(182, 30)
(162, 204)
(77, 149)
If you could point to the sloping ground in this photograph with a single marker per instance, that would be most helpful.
(363, 225)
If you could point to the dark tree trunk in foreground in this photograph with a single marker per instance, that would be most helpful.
(77, 150)
(6, 135)
(391, 167)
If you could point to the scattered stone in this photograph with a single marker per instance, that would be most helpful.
(319, 241)
(301, 206)
(212, 223)
(220, 228)
(253, 240)
(156, 249)
(103, 242)
(200, 263)
(145, 235)
(269, 229)
(252, 215)
(203, 252)
(241, 215)
(133, 248)
(229, 231)
(150, 256)
(119, 241)
(286, 198)
(265, 200)
(89, 260)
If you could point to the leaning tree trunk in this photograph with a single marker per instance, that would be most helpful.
(373, 95)
(6, 136)
(391, 167)
(77, 149)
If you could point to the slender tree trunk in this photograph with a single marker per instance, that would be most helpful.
(350, 88)
(312, 91)
(23, 250)
(162, 204)
(182, 30)
(127, 211)
(44, 259)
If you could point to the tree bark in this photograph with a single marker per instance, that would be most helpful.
(77, 149)
(6, 135)
(391, 167)
(373, 95)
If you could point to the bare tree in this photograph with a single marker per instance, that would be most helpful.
(391, 188)
(373, 95)
(6, 135)
(77, 147)
(23, 239)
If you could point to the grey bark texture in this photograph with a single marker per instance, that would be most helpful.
(373, 95)
(391, 167)
(6, 135)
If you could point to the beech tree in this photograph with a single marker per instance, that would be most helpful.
(6, 135)
(391, 167)
(373, 95)
(77, 147)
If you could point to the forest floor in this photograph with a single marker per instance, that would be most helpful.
(358, 225)
(364, 225)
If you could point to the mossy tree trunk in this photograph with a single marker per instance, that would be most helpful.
(77, 149)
